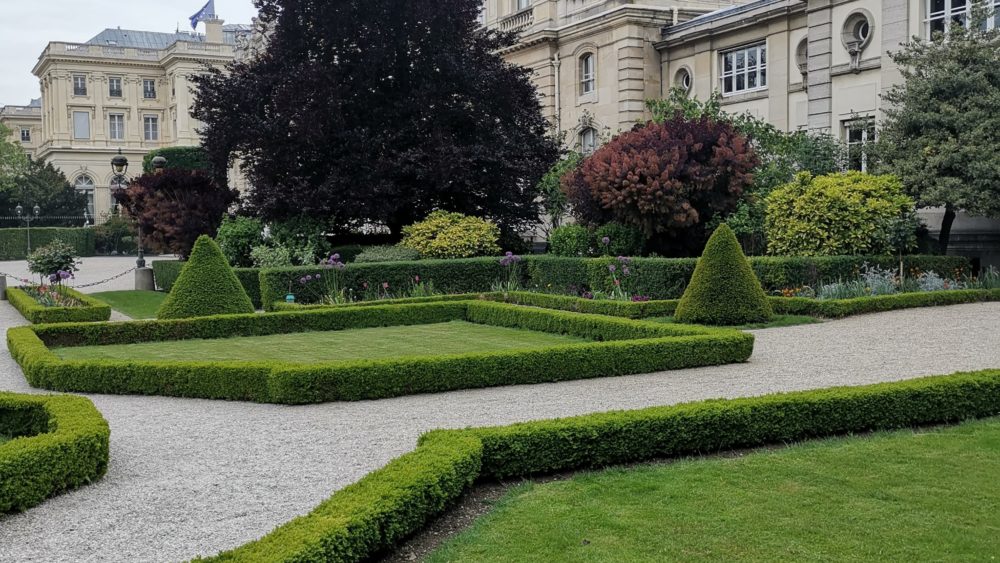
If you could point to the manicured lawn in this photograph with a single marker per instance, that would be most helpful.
(777, 321)
(135, 304)
(454, 337)
(928, 495)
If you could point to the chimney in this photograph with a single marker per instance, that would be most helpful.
(213, 30)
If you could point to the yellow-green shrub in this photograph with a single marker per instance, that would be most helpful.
(452, 235)
(838, 214)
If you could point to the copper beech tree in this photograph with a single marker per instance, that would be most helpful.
(670, 179)
(175, 207)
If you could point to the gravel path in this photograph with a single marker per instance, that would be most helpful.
(192, 477)
(92, 270)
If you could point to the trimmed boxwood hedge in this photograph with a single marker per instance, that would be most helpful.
(60, 443)
(165, 272)
(93, 309)
(619, 347)
(372, 516)
(656, 278)
(207, 286)
(14, 242)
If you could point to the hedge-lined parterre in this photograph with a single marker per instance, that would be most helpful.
(60, 442)
(618, 347)
(371, 516)
(91, 311)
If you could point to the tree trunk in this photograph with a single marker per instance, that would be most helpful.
(945, 236)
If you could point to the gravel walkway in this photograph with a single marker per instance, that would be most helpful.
(192, 477)
(92, 270)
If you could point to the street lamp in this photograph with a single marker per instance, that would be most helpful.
(27, 220)
(119, 165)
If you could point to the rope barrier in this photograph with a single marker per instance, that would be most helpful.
(112, 278)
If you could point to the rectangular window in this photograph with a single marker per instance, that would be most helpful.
(151, 128)
(588, 79)
(148, 89)
(116, 126)
(115, 87)
(79, 85)
(523, 4)
(745, 69)
(942, 14)
(25, 135)
(860, 134)
(81, 125)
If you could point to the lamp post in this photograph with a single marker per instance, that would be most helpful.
(119, 165)
(27, 220)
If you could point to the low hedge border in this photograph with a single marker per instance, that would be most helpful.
(92, 311)
(371, 516)
(829, 308)
(619, 347)
(61, 442)
(656, 278)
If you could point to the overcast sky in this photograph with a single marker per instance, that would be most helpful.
(27, 26)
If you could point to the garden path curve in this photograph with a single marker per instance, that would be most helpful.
(191, 477)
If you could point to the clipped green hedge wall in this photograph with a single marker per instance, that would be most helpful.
(92, 311)
(165, 272)
(375, 514)
(619, 347)
(61, 442)
(657, 278)
(14, 242)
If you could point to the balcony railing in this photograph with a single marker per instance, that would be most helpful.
(519, 21)
(127, 53)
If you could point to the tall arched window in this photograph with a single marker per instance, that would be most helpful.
(588, 77)
(588, 141)
(85, 185)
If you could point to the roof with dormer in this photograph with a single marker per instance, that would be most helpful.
(117, 37)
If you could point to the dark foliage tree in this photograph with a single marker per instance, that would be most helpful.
(669, 179)
(44, 185)
(942, 125)
(175, 207)
(379, 111)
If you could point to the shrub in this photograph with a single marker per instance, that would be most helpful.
(347, 252)
(723, 288)
(14, 242)
(179, 158)
(847, 213)
(55, 261)
(668, 179)
(266, 256)
(115, 236)
(88, 309)
(571, 240)
(387, 254)
(237, 237)
(615, 239)
(452, 235)
(206, 286)
(304, 237)
(175, 207)
(60, 443)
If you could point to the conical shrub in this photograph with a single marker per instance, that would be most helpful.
(724, 289)
(206, 286)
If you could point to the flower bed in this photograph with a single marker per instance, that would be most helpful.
(376, 513)
(59, 443)
(617, 347)
(57, 304)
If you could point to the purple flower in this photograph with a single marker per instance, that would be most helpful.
(612, 268)
(509, 254)
(309, 277)
(625, 270)
(64, 275)
(587, 295)
(606, 241)
(640, 298)
(624, 259)
(302, 280)
(317, 276)
(335, 257)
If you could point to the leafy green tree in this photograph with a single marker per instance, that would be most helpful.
(554, 200)
(13, 161)
(941, 127)
(44, 185)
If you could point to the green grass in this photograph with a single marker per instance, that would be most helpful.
(454, 337)
(927, 495)
(135, 304)
(777, 321)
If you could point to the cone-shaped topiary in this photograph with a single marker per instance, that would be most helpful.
(724, 289)
(206, 286)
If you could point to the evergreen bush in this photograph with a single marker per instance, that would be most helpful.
(206, 286)
(724, 289)
(571, 240)
(452, 235)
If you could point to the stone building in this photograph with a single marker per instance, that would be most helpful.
(25, 124)
(817, 65)
(123, 89)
